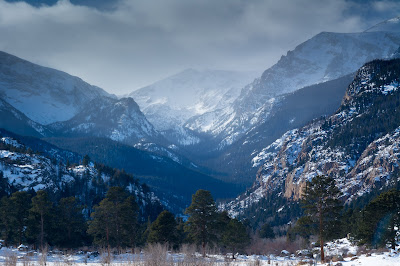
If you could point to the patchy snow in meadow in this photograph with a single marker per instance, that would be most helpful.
(336, 248)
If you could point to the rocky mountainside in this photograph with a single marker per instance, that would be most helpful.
(117, 119)
(43, 94)
(290, 111)
(358, 145)
(326, 56)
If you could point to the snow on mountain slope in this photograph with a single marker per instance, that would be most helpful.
(43, 94)
(188, 93)
(169, 103)
(358, 145)
(392, 24)
(324, 57)
(25, 170)
(118, 119)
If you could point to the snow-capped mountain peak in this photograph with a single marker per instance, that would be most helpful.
(188, 93)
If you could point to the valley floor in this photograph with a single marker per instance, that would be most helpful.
(156, 256)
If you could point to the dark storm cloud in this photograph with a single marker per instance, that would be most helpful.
(127, 44)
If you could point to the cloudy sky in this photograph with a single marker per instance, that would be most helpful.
(122, 45)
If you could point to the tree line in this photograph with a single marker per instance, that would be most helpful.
(33, 218)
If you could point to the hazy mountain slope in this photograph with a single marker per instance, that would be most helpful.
(13, 120)
(358, 145)
(43, 94)
(324, 57)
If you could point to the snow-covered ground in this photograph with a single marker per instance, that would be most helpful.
(339, 252)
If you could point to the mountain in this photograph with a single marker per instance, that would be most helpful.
(173, 181)
(22, 168)
(289, 111)
(117, 119)
(169, 103)
(43, 94)
(358, 145)
(326, 56)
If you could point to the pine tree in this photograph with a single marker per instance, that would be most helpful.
(40, 214)
(320, 199)
(202, 222)
(6, 221)
(235, 236)
(266, 231)
(163, 229)
(380, 218)
(114, 220)
(21, 203)
(70, 223)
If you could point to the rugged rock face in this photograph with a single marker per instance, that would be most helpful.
(358, 145)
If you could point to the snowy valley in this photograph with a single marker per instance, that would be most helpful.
(243, 149)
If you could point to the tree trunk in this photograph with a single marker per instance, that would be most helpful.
(108, 242)
(41, 231)
(204, 249)
(321, 237)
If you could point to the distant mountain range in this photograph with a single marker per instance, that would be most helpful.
(213, 129)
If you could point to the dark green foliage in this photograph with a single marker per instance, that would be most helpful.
(235, 236)
(320, 199)
(21, 203)
(222, 221)
(40, 218)
(114, 221)
(304, 227)
(266, 231)
(70, 225)
(379, 220)
(6, 221)
(202, 223)
(164, 230)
